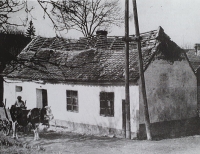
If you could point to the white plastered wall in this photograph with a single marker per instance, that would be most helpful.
(88, 99)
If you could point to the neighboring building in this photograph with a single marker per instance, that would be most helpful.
(194, 58)
(197, 49)
(83, 82)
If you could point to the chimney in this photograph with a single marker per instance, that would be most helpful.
(101, 39)
(197, 49)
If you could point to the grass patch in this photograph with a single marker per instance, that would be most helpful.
(13, 146)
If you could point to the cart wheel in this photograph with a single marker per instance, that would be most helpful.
(7, 127)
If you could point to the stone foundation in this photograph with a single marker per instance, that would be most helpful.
(160, 130)
(89, 129)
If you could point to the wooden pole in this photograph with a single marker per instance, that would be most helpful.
(127, 97)
(141, 72)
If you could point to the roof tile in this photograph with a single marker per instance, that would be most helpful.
(65, 60)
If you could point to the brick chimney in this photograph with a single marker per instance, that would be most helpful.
(101, 39)
(197, 49)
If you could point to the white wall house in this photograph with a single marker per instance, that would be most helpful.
(88, 102)
(85, 86)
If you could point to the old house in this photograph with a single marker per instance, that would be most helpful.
(83, 82)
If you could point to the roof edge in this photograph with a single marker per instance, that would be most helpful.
(74, 82)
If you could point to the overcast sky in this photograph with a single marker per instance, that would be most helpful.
(180, 19)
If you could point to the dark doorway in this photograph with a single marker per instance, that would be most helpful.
(124, 117)
(42, 100)
(1, 91)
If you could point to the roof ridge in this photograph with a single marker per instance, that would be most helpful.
(109, 42)
(161, 34)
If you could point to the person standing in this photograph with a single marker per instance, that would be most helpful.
(19, 102)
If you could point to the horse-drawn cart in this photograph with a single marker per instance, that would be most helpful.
(5, 120)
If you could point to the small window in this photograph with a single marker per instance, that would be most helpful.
(72, 100)
(107, 104)
(18, 89)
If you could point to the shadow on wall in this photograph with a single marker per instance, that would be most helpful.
(170, 104)
(172, 129)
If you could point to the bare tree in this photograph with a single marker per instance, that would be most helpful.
(86, 16)
(12, 40)
(8, 7)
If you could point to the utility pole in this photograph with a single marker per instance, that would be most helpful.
(127, 97)
(141, 72)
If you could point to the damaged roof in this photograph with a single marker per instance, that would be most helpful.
(56, 59)
(97, 41)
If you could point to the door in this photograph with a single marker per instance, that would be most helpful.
(44, 97)
(42, 100)
(124, 117)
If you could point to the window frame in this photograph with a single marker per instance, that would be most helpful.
(108, 107)
(73, 105)
(17, 88)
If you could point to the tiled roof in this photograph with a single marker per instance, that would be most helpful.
(87, 65)
(111, 42)
(194, 59)
(80, 60)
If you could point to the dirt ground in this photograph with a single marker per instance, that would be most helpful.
(71, 143)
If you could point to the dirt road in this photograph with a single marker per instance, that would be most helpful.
(71, 143)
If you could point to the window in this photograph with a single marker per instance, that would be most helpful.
(72, 100)
(18, 89)
(107, 104)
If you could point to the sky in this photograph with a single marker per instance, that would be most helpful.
(179, 19)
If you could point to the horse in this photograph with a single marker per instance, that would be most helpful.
(35, 116)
